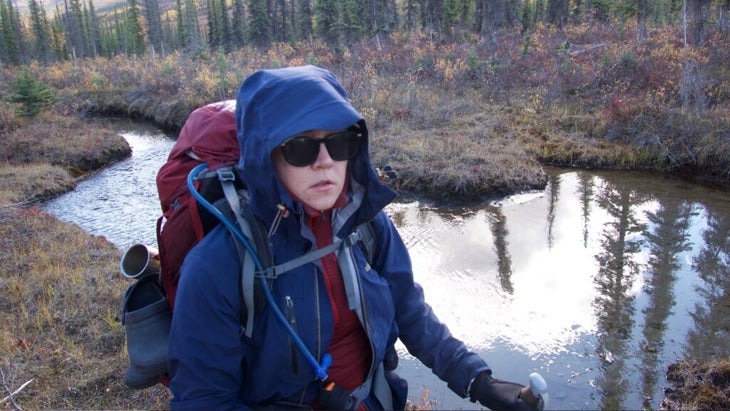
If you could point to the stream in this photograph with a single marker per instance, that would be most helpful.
(598, 282)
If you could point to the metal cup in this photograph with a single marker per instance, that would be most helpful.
(138, 260)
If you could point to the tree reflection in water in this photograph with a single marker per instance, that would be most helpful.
(498, 225)
(710, 338)
(667, 238)
(614, 304)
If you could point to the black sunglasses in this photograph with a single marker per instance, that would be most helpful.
(302, 151)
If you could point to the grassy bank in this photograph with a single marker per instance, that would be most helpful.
(60, 335)
(59, 299)
(456, 120)
(698, 386)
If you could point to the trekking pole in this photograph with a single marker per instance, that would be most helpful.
(536, 392)
(320, 369)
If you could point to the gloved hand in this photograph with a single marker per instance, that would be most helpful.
(498, 395)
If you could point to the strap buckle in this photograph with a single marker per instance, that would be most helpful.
(226, 174)
(353, 238)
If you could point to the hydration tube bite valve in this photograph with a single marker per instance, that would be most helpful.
(536, 392)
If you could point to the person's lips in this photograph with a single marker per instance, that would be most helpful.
(323, 185)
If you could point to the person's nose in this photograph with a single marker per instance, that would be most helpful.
(323, 158)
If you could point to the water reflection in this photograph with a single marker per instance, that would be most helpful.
(553, 190)
(668, 238)
(585, 197)
(598, 282)
(498, 226)
(618, 269)
(121, 201)
(711, 316)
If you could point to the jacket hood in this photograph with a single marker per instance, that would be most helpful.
(274, 105)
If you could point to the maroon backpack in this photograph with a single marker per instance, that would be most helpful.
(207, 141)
(208, 136)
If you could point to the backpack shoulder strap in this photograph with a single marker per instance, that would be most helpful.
(245, 292)
(368, 240)
(254, 232)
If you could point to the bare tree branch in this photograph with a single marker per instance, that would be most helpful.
(13, 393)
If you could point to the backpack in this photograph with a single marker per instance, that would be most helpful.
(207, 136)
(203, 158)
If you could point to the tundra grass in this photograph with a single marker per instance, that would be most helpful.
(60, 332)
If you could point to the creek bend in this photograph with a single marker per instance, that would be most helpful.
(599, 282)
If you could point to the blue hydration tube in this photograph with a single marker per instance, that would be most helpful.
(319, 369)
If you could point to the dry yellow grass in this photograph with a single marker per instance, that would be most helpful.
(459, 161)
(60, 335)
(59, 324)
(65, 141)
(698, 386)
(32, 182)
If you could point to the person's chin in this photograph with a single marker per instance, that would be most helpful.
(322, 203)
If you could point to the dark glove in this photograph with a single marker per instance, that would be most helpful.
(498, 395)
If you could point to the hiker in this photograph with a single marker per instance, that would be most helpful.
(306, 167)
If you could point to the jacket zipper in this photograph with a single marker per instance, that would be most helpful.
(289, 302)
(318, 325)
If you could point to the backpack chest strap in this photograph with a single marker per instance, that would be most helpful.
(275, 271)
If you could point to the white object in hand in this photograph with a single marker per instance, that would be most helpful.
(536, 393)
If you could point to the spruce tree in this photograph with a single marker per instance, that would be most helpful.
(12, 35)
(411, 18)
(133, 29)
(30, 94)
(9, 46)
(154, 25)
(181, 35)
(303, 20)
(353, 20)
(557, 12)
(59, 45)
(326, 20)
(41, 32)
(92, 23)
(192, 40)
(214, 26)
(259, 24)
(238, 24)
(74, 27)
(225, 27)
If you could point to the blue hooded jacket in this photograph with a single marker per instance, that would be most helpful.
(212, 365)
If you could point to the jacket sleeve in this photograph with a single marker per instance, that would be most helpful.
(205, 355)
(423, 334)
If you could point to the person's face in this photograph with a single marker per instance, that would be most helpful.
(318, 185)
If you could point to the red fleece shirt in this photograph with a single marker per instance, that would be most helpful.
(350, 349)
